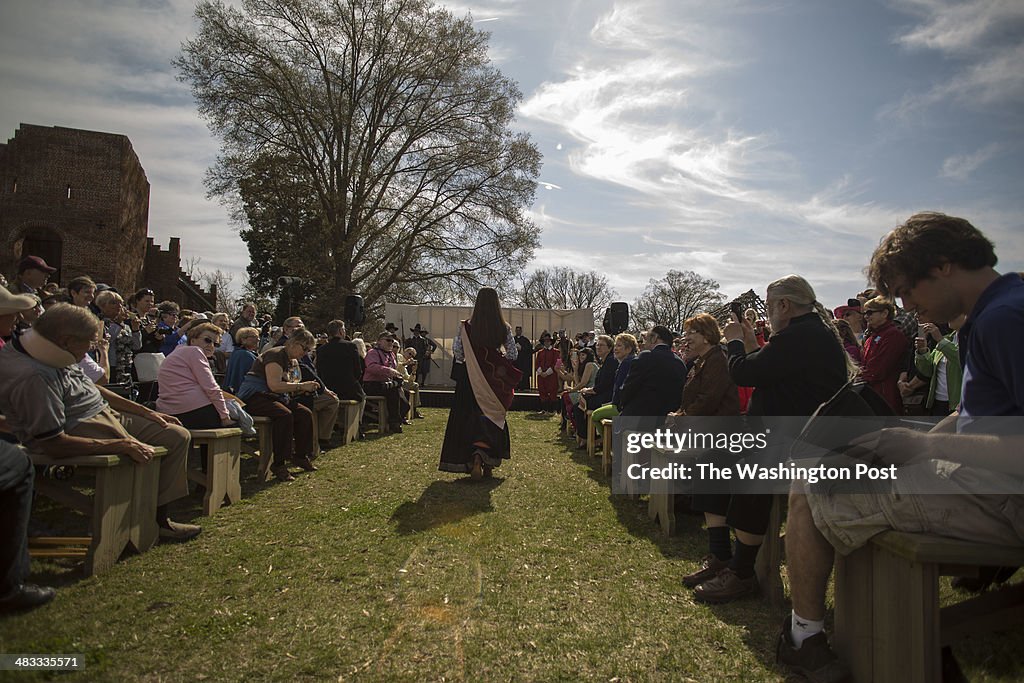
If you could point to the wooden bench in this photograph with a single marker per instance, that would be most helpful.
(348, 414)
(888, 624)
(381, 406)
(121, 510)
(265, 439)
(223, 450)
(606, 447)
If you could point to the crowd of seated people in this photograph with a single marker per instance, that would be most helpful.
(951, 347)
(953, 343)
(70, 385)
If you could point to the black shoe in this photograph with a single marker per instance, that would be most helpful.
(814, 660)
(27, 596)
(396, 428)
(305, 464)
(281, 473)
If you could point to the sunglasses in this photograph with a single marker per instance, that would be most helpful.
(147, 292)
(207, 340)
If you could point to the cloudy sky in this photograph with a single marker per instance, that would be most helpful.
(743, 139)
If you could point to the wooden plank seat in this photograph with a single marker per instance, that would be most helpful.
(121, 509)
(380, 406)
(265, 445)
(348, 420)
(606, 447)
(888, 624)
(223, 450)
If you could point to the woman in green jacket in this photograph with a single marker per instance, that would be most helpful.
(942, 365)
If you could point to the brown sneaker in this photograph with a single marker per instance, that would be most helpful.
(305, 464)
(710, 567)
(282, 473)
(725, 587)
(814, 659)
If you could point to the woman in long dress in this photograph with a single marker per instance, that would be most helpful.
(476, 439)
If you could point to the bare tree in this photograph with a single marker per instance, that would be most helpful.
(226, 293)
(674, 298)
(366, 145)
(562, 288)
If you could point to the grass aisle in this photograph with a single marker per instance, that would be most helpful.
(379, 567)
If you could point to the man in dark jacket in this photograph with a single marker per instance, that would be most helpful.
(655, 380)
(425, 347)
(339, 365)
(802, 366)
(524, 361)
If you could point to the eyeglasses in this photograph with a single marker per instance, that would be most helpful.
(207, 340)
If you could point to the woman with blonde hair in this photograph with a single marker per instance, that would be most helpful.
(188, 390)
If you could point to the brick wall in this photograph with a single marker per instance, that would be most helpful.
(163, 274)
(89, 191)
(84, 186)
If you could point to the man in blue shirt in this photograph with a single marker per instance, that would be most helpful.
(941, 267)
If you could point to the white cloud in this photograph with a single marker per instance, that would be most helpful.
(961, 166)
(983, 36)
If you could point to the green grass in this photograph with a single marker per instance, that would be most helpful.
(378, 567)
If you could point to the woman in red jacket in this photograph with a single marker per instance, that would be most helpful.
(884, 354)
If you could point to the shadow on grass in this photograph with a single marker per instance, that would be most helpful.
(445, 502)
(688, 541)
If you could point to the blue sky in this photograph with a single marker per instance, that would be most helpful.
(741, 139)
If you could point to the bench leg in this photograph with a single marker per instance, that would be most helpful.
(232, 485)
(769, 557)
(591, 437)
(606, 451)
(854, 612)
(266, 439)
(145, 488)
(661, 502)
(905, 599)
(111, 517)
(350, 420)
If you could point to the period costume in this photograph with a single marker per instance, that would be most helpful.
(485, 381)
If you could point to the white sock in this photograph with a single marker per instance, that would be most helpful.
(801, 629)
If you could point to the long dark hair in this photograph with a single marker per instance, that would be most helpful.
(489, 327)
(586, 356)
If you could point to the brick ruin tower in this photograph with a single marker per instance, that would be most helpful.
(80, 200)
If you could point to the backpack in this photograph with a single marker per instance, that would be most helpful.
(862, 409)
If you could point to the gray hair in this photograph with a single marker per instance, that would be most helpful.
(68, 320)
(799, 292)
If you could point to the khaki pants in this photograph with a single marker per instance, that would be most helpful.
(326, 407)
(109, 424)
